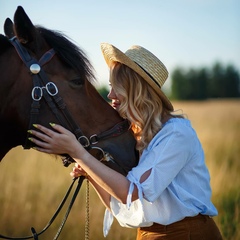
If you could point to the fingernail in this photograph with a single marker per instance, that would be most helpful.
(35, 125)
(30, 139)
(29, 131)
(52, 124)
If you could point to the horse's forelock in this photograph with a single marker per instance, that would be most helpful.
(68, 52)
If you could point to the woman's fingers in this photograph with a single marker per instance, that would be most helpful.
(45, 130)
(50, 132)
(44, 137)
(77, 171)
(57, 141)
(77, 165)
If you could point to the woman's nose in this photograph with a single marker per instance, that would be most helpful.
(111, 95)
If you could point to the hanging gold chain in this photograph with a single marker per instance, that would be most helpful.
(87, 218)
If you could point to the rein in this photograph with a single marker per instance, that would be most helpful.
(35, 234)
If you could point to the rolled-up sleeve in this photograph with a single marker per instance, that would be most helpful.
(165, 157)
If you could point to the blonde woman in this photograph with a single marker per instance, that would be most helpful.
(167, 195)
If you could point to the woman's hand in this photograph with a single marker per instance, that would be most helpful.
(60, 141)
(77, 171)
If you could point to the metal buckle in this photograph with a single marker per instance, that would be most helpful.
(51, 88)
(37, 92)
(84, 141)
(94, 139)
(98, 153)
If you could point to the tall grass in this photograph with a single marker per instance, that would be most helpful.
(33, 184)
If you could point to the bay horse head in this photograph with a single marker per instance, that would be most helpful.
(46, 78)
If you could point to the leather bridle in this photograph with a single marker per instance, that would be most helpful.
(57, 105)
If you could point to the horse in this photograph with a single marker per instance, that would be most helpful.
(46, 78)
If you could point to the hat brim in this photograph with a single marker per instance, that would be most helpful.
(112, 54)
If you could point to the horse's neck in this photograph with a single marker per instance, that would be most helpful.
(10, 137)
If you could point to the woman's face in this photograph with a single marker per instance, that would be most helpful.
(115, 98)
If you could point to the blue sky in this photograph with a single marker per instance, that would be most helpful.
(186, 33)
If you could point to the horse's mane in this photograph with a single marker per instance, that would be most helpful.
(68, 52)
(4, 43)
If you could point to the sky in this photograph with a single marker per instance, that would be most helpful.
(181, 33)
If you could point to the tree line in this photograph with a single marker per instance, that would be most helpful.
(218, 81)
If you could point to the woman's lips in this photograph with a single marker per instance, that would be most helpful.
(115, 104)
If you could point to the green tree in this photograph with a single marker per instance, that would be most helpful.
(189, 85)
(216, 81)
(177, 88)
(223, 82)
(199, 84)
(232, 82)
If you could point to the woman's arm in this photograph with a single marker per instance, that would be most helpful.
(103, 195)
(63, 141)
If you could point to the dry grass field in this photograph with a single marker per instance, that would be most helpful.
(33, 184)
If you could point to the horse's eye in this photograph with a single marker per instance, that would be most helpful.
(76, 82)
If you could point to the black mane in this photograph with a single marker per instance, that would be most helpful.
(68, 52)
(4, 43)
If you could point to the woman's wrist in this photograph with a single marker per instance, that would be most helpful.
(81, 155)
(76, 150)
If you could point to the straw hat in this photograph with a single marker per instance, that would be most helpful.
(143, 62)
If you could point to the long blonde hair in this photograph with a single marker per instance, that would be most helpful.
(141, 105)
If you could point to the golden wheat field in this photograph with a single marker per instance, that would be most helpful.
(33, 184)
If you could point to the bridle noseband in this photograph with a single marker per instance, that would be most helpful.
(49, 91)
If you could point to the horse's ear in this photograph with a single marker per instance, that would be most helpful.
(8, 28)
(23, 27)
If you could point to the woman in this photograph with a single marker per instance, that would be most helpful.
(168, 195)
